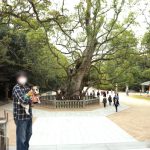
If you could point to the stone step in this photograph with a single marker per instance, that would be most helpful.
(105, 146)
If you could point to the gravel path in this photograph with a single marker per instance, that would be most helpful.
(136, 119)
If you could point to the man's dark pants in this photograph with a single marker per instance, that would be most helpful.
(116, 106)
(104, 104)
(23, 133)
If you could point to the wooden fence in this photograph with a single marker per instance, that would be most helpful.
(3, 132)
(51, 102)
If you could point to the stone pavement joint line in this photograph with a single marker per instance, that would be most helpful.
(103, 146)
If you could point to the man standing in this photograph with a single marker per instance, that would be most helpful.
(110, 99)
(22, 120)
(116, 101)
(104, 99)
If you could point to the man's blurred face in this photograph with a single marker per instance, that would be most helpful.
(22, 80)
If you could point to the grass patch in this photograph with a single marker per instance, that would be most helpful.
(145, 97)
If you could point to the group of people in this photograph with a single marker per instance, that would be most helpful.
(107, 96)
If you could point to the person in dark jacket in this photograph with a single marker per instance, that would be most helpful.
(98, 94)
(91, 95)
(110, 99)
(116, 101)
(104, 99)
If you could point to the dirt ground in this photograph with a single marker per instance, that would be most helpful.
(136, 119)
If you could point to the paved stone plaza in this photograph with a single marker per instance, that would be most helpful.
(76, 130)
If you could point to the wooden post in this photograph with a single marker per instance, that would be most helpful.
(84, 103)
(116, 88)
(142, 88)
(55, 103)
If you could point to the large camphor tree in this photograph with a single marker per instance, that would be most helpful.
(84, 35)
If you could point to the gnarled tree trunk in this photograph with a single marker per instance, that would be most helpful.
(75, 87)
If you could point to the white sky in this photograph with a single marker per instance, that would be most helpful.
(142, 5)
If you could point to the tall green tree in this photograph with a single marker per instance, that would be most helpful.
(83, 35)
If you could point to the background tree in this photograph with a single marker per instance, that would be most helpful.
(120, 65)
(144, 62)
(28, 51)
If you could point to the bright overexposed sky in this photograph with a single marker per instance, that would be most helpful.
(138, 8)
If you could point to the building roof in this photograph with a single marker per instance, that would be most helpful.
(146, 83)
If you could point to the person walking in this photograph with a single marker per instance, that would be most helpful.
(104, 99)
(22, 120)
(116, 101)
(98, 94)
(110, 99)
(91, 95)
